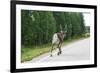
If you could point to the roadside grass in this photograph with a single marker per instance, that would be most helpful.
(28, 53)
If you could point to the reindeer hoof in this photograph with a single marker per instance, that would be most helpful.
(50, 55)
(58, 53)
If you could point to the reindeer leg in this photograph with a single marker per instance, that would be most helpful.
(59, 47)
(59, 51)
(51, 50)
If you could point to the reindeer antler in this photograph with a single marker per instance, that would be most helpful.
(65, 28)
(60, 27)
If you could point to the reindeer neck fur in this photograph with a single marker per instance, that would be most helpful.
(60, 36)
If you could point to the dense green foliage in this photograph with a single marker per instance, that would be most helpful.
(87, 29)
(38, 27)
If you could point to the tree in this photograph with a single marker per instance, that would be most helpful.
(38, 27)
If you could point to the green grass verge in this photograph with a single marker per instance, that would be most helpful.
(32, 52)
(28, 53)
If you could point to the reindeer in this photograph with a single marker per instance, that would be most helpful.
(57, 40)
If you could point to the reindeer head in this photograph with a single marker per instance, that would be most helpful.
(63, 30)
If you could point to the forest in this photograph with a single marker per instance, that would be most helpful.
(38, 27)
